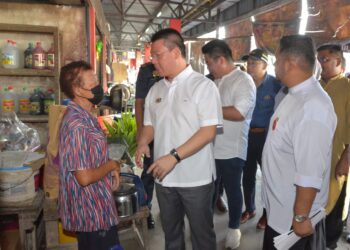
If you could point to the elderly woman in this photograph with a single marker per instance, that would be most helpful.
(87, 176)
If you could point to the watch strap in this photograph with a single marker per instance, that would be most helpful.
(174, 153)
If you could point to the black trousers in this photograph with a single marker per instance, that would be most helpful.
(102, 240)
(256, 143)
(334, 222)
(316, 241)
(148, 179)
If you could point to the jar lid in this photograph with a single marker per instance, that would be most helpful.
(125, 189)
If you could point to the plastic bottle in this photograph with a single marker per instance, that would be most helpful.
(24, 101)
(35, 103)
(51, 57)
(39, 57)
(14, 97)
(1, 95)
(28, 56)
(10, 55)
(7, 103)
(48, 100)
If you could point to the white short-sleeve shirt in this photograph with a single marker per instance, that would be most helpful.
(298, 152)
(236, 89)
(177, 110)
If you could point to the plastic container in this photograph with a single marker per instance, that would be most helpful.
(28, 56)
(36, 103)
(51, 58)
(15, 98)
(17, 184)
(48, 100)
(39, 57)
(24, 102)
(7, 102)
(10, 55)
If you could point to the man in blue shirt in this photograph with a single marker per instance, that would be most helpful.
(146, 78)
(267, 88)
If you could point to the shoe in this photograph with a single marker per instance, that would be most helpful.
(150, 222)
(247, 216)
(233, 238)
(221, 204)
(262, 222)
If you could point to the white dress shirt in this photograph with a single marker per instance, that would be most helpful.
(297, 151)
(177, 110)
(236, 89)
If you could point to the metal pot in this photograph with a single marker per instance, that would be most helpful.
(126, 200)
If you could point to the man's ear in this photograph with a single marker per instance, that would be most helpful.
(176, 52)
(338, 61)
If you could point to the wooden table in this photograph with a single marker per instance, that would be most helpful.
(28, 213)
(138, 228)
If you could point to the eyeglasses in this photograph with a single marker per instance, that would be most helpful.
(158, 55)
(323, 59)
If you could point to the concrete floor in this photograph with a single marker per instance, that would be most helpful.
(252, 238)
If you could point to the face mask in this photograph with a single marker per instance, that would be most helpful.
(98, 95)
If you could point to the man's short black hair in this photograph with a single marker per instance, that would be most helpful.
(299, 46)
(172, 39)
(216, 48)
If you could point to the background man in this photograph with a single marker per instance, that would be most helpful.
(297, 151)
(182, 112)
(267, 88)
(146, 78)
(337, 86)
(237, 92)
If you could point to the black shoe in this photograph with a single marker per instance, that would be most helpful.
(150, 221)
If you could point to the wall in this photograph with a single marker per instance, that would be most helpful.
(71, 24)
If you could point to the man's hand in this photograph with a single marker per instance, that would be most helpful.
(115, 180)
(161, 167)
(303, 229)
(342, 167)
(141, 150)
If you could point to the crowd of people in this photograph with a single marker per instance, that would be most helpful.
(295, 126)
(199, 133)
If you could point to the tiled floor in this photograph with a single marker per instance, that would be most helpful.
(252, 238)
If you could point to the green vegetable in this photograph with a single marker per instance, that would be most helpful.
(124, 130)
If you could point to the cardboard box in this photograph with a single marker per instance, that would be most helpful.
(9, 240)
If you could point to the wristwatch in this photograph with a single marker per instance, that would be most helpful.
(300, 218)
(174, 153)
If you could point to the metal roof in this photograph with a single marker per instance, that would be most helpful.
(133, 22)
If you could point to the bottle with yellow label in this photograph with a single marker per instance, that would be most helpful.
(8, 102)
(24, 102)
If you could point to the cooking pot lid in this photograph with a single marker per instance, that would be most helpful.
(125, 189)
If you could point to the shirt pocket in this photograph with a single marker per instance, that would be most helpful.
(185, 106)
(158, 108)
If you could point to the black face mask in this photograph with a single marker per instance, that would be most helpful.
(98, 94)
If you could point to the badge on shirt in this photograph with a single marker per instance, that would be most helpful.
(158, 100)
(274, 124)
(267, 97)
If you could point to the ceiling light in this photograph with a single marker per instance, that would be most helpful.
(159, 14)
(147, 29)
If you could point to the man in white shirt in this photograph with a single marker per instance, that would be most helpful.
(182, 112)
(238, 92)
(297, 151)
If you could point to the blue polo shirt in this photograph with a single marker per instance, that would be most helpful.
(265, 101)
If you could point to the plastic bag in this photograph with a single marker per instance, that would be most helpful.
(15, 135)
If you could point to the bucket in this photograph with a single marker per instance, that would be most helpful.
(16, 184)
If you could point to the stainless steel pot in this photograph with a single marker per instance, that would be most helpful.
(126, 200)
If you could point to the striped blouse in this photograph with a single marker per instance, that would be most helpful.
(82, 146)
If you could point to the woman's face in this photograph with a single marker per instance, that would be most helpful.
(88, 81)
